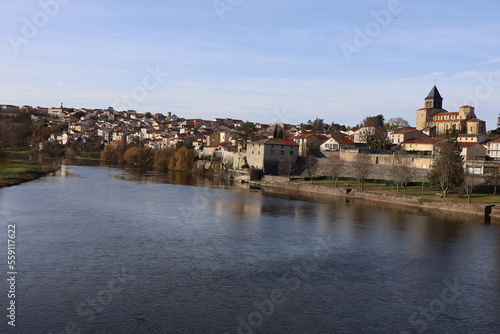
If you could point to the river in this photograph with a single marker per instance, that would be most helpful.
(109, 250)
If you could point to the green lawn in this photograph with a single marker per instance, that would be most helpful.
(16, 171)
(427, 193)
(21, 150)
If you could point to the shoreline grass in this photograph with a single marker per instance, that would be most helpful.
(17, 171)
(426, 193)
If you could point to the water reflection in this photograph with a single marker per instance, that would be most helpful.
(194, 253)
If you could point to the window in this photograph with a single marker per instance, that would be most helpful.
(272, 152)
(282, 152)
(281, 146)
(291, 152)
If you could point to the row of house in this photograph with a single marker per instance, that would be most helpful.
(219, 137)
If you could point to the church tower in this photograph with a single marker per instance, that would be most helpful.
(433, 105)
(434, 99)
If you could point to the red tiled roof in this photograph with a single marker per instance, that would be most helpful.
(226, 143)
(445, 113)
(447, 120)
(276, 141)
(403, 130)
(423, 141)
(467, 144)
(344, 140)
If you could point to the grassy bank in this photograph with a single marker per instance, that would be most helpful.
(427, 193)
(17, 171)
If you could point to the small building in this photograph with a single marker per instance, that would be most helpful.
(472, 151)
(364, 134)
(400, 135)
(420, 145)
(308, 142)
(265, 154)
(337, 144)
(493, 149)
(465, 138)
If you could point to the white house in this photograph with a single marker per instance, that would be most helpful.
(493, 149)
(336, 144)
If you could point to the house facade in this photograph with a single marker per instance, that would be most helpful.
(493, 149)
(399, 135)
(420, 144)
(265, 154)
(362, 135)
(308, 142)
(336, 144)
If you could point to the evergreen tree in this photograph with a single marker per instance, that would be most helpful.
(278, 132)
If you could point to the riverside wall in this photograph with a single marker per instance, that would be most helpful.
(476, 210)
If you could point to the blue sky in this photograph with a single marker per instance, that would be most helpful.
(263, 61)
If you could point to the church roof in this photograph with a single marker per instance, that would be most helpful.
(434, 94)
(445, 113)
(476, 120)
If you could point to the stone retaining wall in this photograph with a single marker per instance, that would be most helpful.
(472, 209)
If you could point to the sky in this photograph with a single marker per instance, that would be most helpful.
(263, 61)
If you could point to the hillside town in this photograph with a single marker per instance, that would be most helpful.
(239, 144)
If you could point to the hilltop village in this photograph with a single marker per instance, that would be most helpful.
(238, 145)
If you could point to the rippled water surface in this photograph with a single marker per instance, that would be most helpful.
(104, 250)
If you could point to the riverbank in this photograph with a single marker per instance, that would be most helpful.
(17, 171)
(480, 211)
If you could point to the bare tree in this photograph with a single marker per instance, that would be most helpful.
(367, 135)
(362, 166)
(310, 163)
(401, 171)
(470, 182)
(335, 166)
(373, 138)
(447, 170)
(398, 122)
(494, 177)
(287, 165)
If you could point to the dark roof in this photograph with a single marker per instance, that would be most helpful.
(434, 94)
(344, 140)
(276, 141)
(423, 141)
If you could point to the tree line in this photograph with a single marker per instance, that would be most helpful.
(178, 158)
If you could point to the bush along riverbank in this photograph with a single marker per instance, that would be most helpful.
(16, 171)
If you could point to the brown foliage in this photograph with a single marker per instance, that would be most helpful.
(14, 130)
(114, 152)
(182, 160)
(139, 156)
(161, 159)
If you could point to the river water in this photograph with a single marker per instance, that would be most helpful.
(107, 250)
